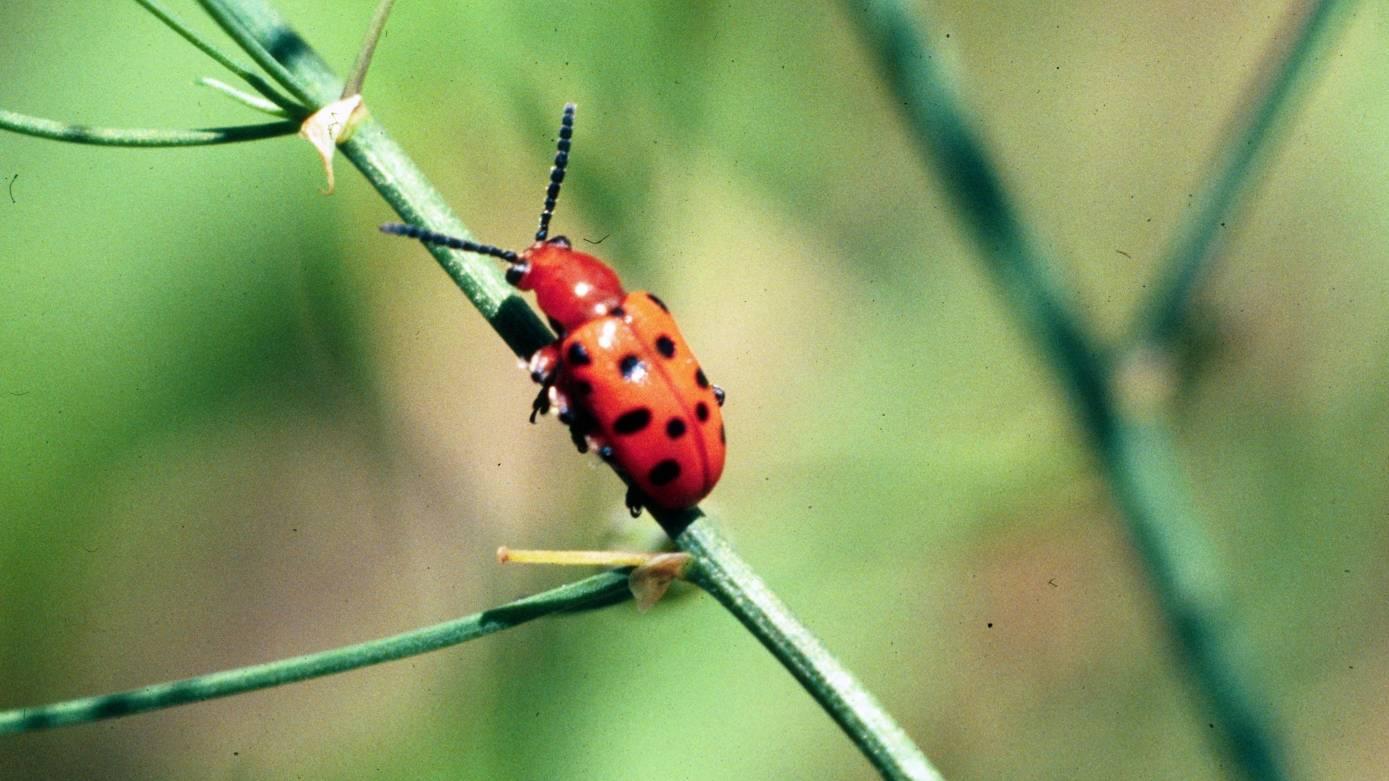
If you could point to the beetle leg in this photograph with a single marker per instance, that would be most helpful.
(544, 366)
(718, 395)
(635, 499)
(541, 405)
(580, 423)
(578, 433)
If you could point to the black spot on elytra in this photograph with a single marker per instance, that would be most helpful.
(632, 421)
(658, 302)
(631, 367)
(675, 428)
(700, 379)
(664, 472)
(582, 388)
(578, 355)
(665, 346)
(702, 411)
(617, 311)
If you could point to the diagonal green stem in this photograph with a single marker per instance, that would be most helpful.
(140, 137)
(604, 589)
(730, 580)
(210, 49)
(719, 570)
(946, 137)
(1271, 98)
(1143, 468)
(1132, 442)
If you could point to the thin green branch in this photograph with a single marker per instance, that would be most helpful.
(604, 589)
(358, 75)
(1131, 440)
(243, 97)
(140, 137)
(1270, 98)
(277, 49)
(210, 49)
(721, 572)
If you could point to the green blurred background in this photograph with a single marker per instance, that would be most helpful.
(237, 424)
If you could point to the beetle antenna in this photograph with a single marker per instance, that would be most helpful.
(442, 240)
(566, 132)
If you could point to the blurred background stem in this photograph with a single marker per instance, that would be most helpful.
(1121, 404)
(1248, 144)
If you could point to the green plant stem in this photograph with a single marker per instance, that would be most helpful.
(140, 137)
(1132, 444)
(385, 165)
(724, 575)
(207, 47)
(606, 588)
(1269, 101)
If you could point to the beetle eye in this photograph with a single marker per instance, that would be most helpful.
(562, 241)
(515, 271)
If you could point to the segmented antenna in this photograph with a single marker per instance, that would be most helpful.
(442, 240)
(566, 132)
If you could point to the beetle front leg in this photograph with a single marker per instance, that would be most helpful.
(544, 366)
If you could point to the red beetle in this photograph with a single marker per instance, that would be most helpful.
(619, 373)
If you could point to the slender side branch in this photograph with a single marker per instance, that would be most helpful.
(721, 572)
(358, 75)
(140, 137)
(1250, 139)
(604, 589)
(243, 97)
(210, 49)
(275, 46)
